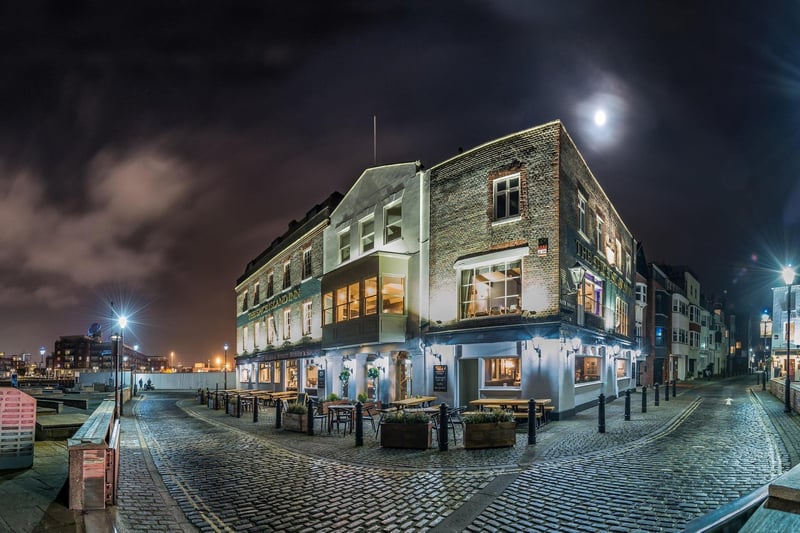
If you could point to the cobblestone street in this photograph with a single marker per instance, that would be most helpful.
(711, 444)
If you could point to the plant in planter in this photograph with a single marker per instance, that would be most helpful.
(362, 397)
(406, 430)
(344, 378)
(296, 417)
(489, 429)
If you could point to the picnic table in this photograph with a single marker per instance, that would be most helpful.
(413, 402)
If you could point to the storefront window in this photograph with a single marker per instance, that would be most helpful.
(587, 369)
(264, 372)
(622, 367)
(291, 374)
(312, 375)
(491, 290)
(245, 375)
(370, 296)
(501, 372)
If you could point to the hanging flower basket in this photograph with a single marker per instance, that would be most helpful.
(344, 376)
(373, 373)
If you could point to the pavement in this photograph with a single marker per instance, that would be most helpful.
(168, 479)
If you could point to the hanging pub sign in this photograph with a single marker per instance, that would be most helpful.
(440, 378)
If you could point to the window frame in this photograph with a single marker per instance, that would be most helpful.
(287, 324)
(581, 214)
(287, 275)
(344, 245)
(387, 225)
(507, 194)
(307, 318)
(477, 304)
(306, 266)
(363, 237)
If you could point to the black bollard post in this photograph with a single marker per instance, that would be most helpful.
(644, 399)
(657, 395)
(601, 413)
(531, 421)
(278, 409)
(225, 402)
(359, 424)
(628, 404)
(443, 423)
(674, 387)
(310, 414)
(238, 406)
(764, 380)
(255, 409)
(666, 391)
(216, 397)
(202, 395)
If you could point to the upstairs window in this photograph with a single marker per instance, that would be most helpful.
(599, 233)
(621, 317)
(244, 301)
(491, 290)
(581, 214)
(306, 270)
(393, 222)
(287, 275)
(393, 294)
(367, 234)
(272, 331)
(287, 324)
(506, 197)
(306, 318)
(590, 295)
(270, 285)
(255, 294)
(370, 296)
(327, 308)
(344, 246)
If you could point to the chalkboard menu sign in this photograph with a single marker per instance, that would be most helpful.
(440, 378)
(321, 378)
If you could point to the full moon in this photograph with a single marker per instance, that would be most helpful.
(600, 117)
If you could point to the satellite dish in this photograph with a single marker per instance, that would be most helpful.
(95, 330)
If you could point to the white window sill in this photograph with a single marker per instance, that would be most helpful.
(508, 220)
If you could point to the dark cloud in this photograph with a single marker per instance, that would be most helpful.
(148, 151)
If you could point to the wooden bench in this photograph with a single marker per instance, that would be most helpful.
(95, 443)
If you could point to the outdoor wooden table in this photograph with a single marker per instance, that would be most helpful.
(514, 403)
(413, 402)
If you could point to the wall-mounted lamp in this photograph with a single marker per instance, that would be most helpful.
(577, 273)
(572, 345)
(537, 345)
(615, 350)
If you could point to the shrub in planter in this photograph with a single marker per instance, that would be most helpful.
(406, 430)
(296, 417)
(489, 429)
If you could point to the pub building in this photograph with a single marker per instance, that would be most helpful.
(374, 286)
(531, 276)
(278, 310)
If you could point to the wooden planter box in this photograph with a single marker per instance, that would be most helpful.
(295, 422)
(411, 436)
(490, 435)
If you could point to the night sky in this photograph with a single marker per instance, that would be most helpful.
(148, 152)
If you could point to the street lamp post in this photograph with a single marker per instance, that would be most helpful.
(42, 351)
(788, 278)
(122, 321)
(172, 361)
(225, 371)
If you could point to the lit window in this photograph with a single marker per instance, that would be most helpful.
(599, 232)
(506, 197)
(287, 330)
(368, 234)
(587, 368)
(393, 294)
(306, 264)
(327, 306)
(622, 368)
(501, 372)
(244, 301)
(590, 295)
(306, 318)
(255, 294)
(393, 223)
(582, 214)
(272, 332)
(287, 275)
(491, 290)
(370, 296)
(621, 325)
(344, 246)
(341, 304)
(354, 300)
(628, 265)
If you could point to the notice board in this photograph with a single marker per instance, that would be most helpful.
(440, 378)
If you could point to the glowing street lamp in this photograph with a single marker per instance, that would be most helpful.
(42, 351)
(225, 371)
(172, 361)
(788, 279)
(122, 321)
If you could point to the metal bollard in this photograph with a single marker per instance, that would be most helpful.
(202, 396)
(628, 404)
(764, 380)
(674, 387)
(601, 413)
(644, 399)
(225, 402)
(278, 409)
(359, 424)
(666, 391)
(238, 406)
(657, 395)
(443, 423)
(255, 409)
(216, 397)
(310, 415)
(531, 421)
